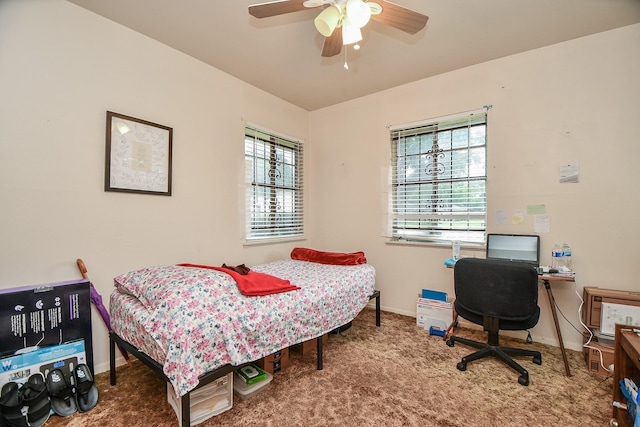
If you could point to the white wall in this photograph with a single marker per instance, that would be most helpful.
(572, 103)
(61, 69)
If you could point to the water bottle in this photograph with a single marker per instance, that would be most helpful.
(556, 257)
(456, 249)
(566, 255)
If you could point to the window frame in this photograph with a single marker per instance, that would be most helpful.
(274, 186)
(416, 218)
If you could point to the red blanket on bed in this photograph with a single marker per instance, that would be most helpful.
(253, 283)
(334, 258)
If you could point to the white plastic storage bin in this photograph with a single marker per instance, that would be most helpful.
(212, 399)
(245, 391)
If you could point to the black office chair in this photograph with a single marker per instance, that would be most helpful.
(500, 295)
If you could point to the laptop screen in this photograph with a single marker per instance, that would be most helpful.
(514, 247)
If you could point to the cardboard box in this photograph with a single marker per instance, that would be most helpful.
(592, 357)
(275, 362)
(438, 314)
(206, 401)
(594, 297)
(18, 367)
(35, 317)
(311, 344)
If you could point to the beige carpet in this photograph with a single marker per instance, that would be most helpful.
(395, 375)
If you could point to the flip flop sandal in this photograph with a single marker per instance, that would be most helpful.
(86, 390)
(35, 396)
(61, 393)
(11, 406)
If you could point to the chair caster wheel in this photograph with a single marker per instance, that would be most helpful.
(523, 379)
(450, 342)
(537, 360)
(462, 366)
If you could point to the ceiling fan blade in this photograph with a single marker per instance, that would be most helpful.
(399, 17)
(274, 8)
(332, 44)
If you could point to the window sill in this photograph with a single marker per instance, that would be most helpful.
(261, 242)
(435, 244)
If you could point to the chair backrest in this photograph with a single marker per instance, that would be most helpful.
(507, 290)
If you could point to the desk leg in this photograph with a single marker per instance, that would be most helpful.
(555, 321)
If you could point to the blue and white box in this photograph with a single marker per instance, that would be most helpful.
(434, 313)
(18, 367)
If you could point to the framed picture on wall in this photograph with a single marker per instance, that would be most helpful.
(138, 156)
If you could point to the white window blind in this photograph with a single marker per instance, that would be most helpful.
(274, 192)
(438, 179)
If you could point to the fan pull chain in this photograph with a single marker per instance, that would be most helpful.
(346, 66)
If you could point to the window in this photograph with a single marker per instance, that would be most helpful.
(438, 179)
(274, 198)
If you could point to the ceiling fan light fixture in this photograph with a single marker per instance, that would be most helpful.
(328, 20)
(351, 15)
(350, 33)
(358, 12)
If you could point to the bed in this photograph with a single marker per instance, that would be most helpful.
(192, 325)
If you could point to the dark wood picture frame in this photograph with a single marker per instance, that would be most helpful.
(138, 156)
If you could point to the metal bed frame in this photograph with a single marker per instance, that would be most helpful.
(204, 378)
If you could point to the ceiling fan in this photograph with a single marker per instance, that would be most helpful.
(348, 16)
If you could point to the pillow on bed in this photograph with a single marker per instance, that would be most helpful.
(334, 258)
(154, 285)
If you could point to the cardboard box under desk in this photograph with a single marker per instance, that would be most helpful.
(275, 362)
(592, 356)
(594, 297)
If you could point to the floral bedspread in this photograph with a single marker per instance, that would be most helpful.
(200, 321)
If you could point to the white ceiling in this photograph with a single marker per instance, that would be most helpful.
(281, 55)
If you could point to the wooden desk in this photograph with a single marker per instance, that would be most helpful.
(547, 279)
(626, 365)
